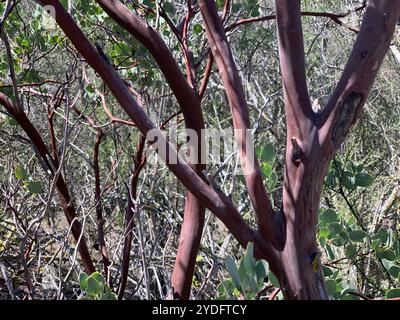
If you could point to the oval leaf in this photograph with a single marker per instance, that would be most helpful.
(364, 179)
(233, 272)
(20, 173)
(93, 287)
(99, 277)
(329, 216)
(351, 251)
(330, 286)
(273, 279)
(83, 277)
(357, 235)
(34, 187)
(249, 262)
(348, 180)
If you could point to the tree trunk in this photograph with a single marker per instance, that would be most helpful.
(301, 196)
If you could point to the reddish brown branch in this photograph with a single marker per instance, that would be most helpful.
(206, 76)
(140, 161)
(33, 84)
(274, 294)
(109, 113)
(335, 17)
(190, 71)
(292, 62)
(223, 56)
(99, 210)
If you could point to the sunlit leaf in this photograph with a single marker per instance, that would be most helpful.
(20, 173)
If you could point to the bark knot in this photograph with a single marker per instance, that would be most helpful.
(297, 152)
(346, 116)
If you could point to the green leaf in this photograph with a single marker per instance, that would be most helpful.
(331, 286)
(348, 180)
(327, 271)
(266, 170)
(98, 277)
(331, 255)
(149, 3)
(357, 235)
(233, 272)
(34, 187)
(94, 287)
(338, 166)
(169, 7)
(83, 278)
(391, 267)
(335, 228)
(382, 235)
(359, 168)
(108, 295)
(255, 12)
(220, 3)
(20, 173)
(273, 279)
(273, 179)
(329, 216)
(324, 233)
(267, 153)
(226, 289)
(242, 272)
(249, 258)
(262, 269)
(89, 89)
(364, 179)
(393, 293)
(338, 241)
(395, 271)
(331, 179)
(12, 122)
(384, 253)
(351, 251)
(197, 28)
(253, 286)
(236, 7)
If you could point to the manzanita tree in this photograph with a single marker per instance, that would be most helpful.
(285, 237)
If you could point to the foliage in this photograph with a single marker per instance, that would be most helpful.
(246, 280)
(344, 237)
(95, 287)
